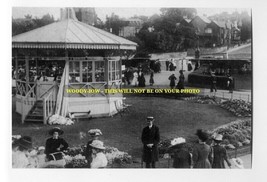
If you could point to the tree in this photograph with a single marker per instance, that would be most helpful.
(21, 25)
(246, 26)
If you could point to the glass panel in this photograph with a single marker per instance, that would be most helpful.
(77, 67)
(74, 72)
(99, 71)
(71, 67)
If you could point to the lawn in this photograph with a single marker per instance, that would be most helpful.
(174, 118)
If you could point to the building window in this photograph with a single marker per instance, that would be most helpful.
(208, 30)
(74, 71)
(114, 70)
(87, 71)
(99, 71)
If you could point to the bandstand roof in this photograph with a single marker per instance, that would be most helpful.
(71, 34)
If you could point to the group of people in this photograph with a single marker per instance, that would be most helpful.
(138, 78)
(180, 84)
(54, 151)
(170, 65)
(204, 155)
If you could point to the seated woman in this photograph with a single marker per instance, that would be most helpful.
(99, 159)
(94, 135)
(20, 149)
(55, 146)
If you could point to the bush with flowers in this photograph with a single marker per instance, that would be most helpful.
(59, 120)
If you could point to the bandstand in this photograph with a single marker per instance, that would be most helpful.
(67, 54)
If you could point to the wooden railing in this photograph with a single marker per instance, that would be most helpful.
(28, 101)
(49, 104)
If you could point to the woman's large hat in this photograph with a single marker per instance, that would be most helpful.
(97, 144)
(25, 142)
(56, 129)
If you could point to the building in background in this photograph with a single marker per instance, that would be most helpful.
(133, 26)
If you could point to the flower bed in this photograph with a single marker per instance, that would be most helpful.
(239, 108)
(235, 135)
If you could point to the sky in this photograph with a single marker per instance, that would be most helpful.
(18, 12)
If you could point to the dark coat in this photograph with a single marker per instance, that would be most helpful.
(220, 155)
(52, 145)
(150, 136)
(182, 158)
(202, 156)
(172, 79)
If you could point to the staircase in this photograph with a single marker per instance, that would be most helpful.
(36, 113)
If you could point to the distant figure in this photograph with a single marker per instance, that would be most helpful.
(180, 84)
(151, 79)
(213, 82)
(202, 153)
(150, 139)
(174, 64)
(167, 64)
(172, 79)
(141, 79)
(197, 65)
(135, 79)
(230, 83)
(220, 153)
(128, 75)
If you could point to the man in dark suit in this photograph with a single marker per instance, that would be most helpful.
(150, 139)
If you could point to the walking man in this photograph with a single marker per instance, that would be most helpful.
(150, 139)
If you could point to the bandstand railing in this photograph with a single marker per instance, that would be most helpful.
(27, 99)
(49, 103)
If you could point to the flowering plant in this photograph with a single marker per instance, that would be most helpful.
(57, 119)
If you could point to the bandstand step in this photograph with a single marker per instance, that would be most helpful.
(33, 120)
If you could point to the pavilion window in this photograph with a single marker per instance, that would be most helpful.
(114, 70)
(74, 71)
(99, 71)
(87, 71)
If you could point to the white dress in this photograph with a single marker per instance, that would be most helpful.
(135, 79)
(19, 160)
(99, 161)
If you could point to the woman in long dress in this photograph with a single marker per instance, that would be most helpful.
(99, 159)
(135, 79)
(94, 134)
(220, 154)
(202, 153)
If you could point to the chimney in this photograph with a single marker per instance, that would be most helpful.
(67, 13)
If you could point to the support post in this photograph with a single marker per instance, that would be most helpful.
(27, 73)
